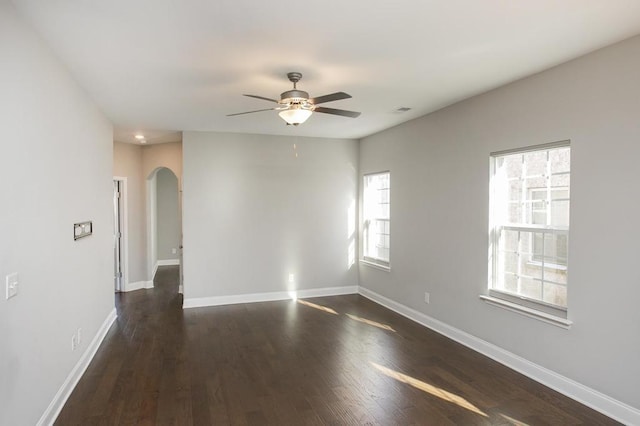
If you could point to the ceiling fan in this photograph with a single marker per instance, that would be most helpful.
(296, 106)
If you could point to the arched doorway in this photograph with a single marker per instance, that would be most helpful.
(164, 219)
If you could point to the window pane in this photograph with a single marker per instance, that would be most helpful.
(511, 283)
(515, 190)
(534, 240)
(383, 253)
(554, 274)
(386, 213)
(539, 183)
(555, 248)
(555, 294)
(512, 165)
(560, 213)
(508, 282)
(507, 262)
(560, 186)
(514, 213)
(536, 163)
(538, 211)
(559, 159)
(384, 195)
(530, 288)
(530, 268)
(509, 241)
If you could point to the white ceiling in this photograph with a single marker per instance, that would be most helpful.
(173, 65)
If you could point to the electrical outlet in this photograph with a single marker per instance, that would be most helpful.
(427, 297)
(174, 251)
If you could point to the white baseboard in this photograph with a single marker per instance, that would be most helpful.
(137, 285)
(54, 408)
(199, 302)
(167, 262)
(591, 398)
(164, 262)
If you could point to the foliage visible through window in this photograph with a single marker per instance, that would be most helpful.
(376, 209)
(530, 195)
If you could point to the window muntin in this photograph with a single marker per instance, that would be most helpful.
(530, 196)
(376, 217)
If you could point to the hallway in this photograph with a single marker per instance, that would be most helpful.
(334, 360)
(122, 384)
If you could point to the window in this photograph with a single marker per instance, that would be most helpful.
(376, 209)
(529, 241)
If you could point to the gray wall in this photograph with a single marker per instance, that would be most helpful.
(255, 213)
(440, 203)
(168, 226)
(56, 170)
(127, 162)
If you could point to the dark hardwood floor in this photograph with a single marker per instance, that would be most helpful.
(340, 360)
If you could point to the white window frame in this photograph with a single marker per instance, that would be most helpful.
(368, 219)
(513, 301)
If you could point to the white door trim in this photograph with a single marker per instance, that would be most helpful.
(124, 261)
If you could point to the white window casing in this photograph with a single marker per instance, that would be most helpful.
(529, 229)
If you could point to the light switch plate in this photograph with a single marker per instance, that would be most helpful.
(12, 285)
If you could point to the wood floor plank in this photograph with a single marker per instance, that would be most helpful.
(326, 361)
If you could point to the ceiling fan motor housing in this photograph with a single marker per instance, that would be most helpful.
(294, 97)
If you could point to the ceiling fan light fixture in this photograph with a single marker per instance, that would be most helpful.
(295, 115)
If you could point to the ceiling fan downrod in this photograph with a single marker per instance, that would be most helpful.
(294, 77)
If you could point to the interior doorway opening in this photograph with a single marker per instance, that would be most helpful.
(164, 231)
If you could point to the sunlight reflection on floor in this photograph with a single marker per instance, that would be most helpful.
(319, 307)
(370, 322)
(513, 421)
(430, 389)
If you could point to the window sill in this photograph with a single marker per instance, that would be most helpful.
(528, 312)
(375, 265)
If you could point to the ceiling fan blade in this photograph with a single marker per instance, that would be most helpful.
(334, 111)
(262, 97)
(251, 112)
(328, 98)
